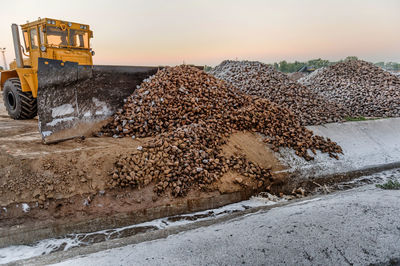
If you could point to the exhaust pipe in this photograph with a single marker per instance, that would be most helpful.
(17, 46)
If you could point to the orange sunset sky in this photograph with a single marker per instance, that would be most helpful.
(169, 32)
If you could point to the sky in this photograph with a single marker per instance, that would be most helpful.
(171, 32)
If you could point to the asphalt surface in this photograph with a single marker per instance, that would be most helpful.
(355, 227)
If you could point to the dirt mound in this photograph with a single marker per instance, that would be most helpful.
(255, 78)
(195, 114)
(365, 89)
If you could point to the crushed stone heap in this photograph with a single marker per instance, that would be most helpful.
(190, 114)
(255, 78)
(365, 89)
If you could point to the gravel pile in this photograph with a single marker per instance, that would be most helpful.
(190, 114)
(255, 78)
(365, 89)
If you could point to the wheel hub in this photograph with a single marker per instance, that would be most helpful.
(11, 100)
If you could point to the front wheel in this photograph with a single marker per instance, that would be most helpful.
(19, 104)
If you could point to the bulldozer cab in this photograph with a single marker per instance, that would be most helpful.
(58, 82)
(56, 39)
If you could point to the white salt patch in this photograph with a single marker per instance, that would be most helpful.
(46, 133)
(104, 109)
(62, 110)
(59, 120)
(25, 207)
(86, 202)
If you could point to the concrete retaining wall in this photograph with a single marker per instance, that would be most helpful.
(27, 234)
(366, 145)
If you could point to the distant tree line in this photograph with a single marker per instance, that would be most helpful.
(286, 67)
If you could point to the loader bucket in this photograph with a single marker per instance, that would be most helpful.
(75, 100)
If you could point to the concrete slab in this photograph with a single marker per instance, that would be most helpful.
(366, 144)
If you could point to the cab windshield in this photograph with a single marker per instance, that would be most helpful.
(58, 37)
(79, 38)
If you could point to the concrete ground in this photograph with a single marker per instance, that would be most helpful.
(355, 227)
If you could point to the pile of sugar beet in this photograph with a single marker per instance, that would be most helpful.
(365, 89)
(189, 115)
(259, 79)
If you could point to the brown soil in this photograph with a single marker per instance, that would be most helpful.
(32, 171)
(253, 146)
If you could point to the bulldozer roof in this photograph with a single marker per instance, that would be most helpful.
(55, 22)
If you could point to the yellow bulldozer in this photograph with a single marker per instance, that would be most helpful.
(57, 80)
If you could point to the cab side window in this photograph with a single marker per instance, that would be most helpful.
(34, 39)
(41, 34)
(26, 40)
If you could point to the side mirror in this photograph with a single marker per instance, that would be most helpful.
(93, 53)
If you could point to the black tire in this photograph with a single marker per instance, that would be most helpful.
(19, 104)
